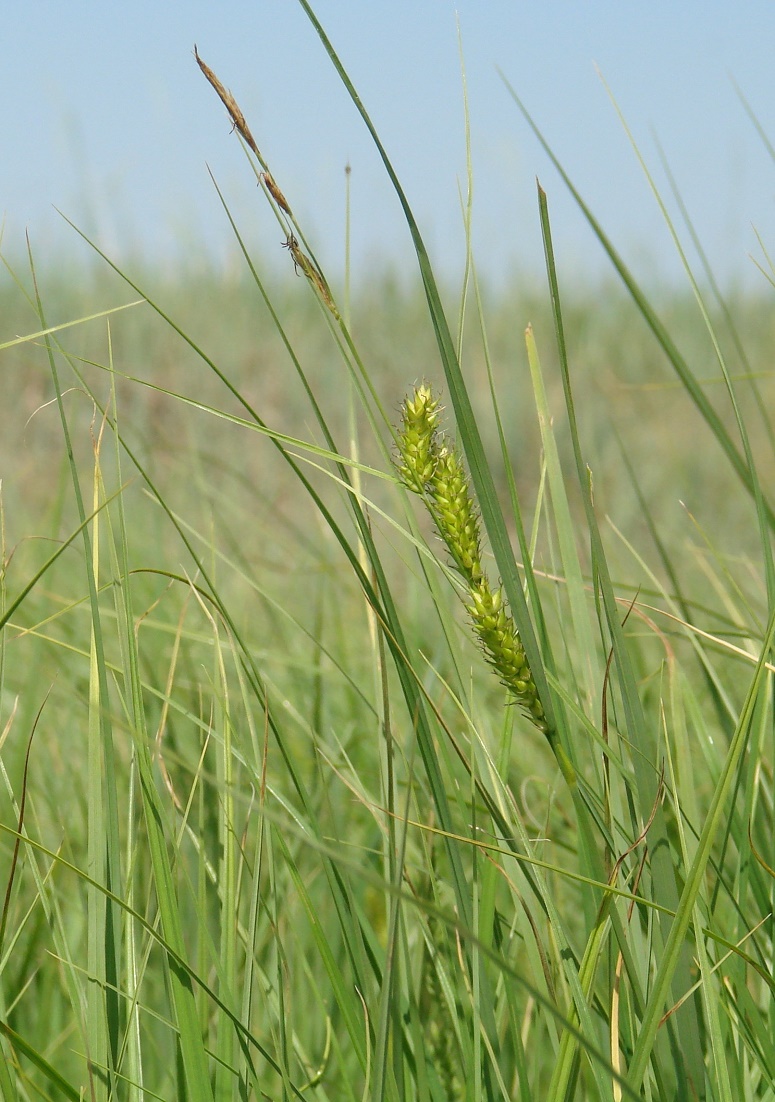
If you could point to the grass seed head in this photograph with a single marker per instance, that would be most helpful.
(429, 465)
(275, 192)
(503, 648)
(229, 102)
(455, 513)
(311, 271)
(417, 446)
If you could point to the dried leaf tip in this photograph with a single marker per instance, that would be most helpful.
(229, 102)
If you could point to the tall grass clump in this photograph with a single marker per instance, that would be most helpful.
(425, 754)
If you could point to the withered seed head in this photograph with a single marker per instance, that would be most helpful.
(275, 192)
(301, 260)
(229, 102)
(292, 245)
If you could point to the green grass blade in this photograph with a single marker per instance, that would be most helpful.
(688, 379)
(103, 836)
(469, 431)
(658, 995)
(50, 1073)
(689, 1057)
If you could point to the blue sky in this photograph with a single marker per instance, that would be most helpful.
(105, 115)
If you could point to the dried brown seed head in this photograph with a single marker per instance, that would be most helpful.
(229, 102)
(275, 192)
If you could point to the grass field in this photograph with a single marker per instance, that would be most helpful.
(272, 826)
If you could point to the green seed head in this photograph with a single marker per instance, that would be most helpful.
(416, 439)
(455, 513)
(428, 464)
(503, 648)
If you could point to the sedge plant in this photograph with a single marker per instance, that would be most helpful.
(282, 830)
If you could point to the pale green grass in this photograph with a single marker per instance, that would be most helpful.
(283, 834)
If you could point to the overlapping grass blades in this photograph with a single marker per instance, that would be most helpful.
(350, 900)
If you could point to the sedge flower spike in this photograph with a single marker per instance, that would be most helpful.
(429, 465)
(419, 424)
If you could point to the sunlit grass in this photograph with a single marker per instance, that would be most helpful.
(284, 832)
